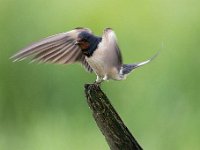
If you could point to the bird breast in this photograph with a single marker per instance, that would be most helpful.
(101, 65)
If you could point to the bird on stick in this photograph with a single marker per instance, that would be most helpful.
(100, 55)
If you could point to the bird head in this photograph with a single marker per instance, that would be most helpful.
(87, 42)
(83, 40)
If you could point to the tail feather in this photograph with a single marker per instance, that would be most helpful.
(127, 68)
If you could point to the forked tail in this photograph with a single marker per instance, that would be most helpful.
(127, 68)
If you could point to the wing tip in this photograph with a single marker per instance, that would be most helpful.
(16, 57)
(108, 29)
(79, 28)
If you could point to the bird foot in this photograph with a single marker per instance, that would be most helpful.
(97, 83)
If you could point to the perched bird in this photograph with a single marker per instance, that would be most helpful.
(100, 55)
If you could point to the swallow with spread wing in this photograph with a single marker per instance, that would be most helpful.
(100, 55)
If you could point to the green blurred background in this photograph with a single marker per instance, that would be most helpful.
(42, 107)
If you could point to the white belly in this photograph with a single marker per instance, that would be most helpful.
(102, 66)
(98, 66)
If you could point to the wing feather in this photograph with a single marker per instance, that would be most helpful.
(113, 51)
(41, 55)
(59, 48)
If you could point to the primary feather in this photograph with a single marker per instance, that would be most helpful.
(59, 48)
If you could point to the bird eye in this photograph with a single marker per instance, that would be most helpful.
(84, 40)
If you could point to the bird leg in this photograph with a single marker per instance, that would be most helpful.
(98, 80)
(105, 77)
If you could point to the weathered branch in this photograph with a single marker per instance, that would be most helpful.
(116, 133)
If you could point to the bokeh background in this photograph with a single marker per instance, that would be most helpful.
(42, 107)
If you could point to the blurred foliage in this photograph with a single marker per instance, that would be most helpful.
(43, 106)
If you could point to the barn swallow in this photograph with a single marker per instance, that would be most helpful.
(100, 55)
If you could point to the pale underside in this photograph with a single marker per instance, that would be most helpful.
(106, 60)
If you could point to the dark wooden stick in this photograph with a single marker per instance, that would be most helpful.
(116, 133)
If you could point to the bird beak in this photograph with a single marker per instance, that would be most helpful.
(76, 43)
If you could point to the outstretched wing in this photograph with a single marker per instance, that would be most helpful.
(59, 48)
(113, 52)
